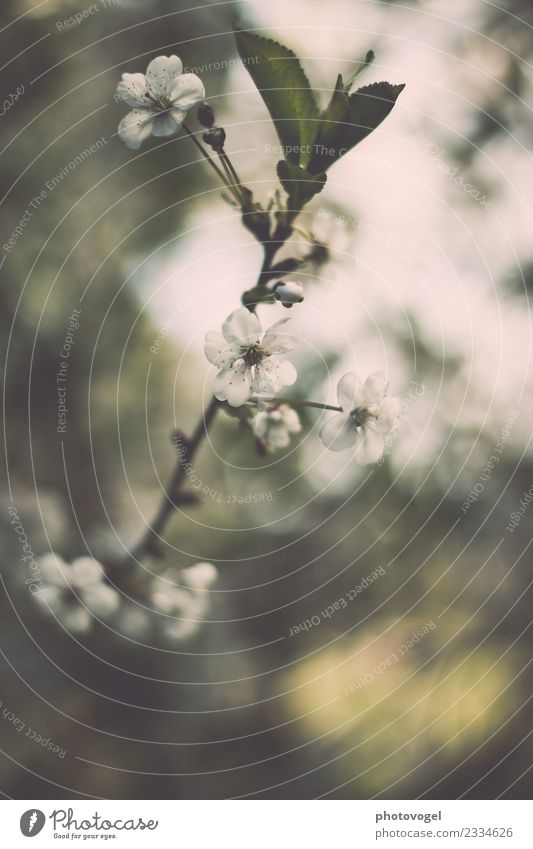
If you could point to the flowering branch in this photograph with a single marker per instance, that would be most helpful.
(251, 363)
(247, 363)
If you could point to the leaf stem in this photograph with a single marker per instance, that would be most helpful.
(232, 183)
(228, 163)
(209, 159)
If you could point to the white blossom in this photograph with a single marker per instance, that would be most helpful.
(368, 415)
(182, 609)
(75, 593)
(132, 621)
(160, 99)
(201, 576)
(276, 425)
(289, 293)
(245, 357)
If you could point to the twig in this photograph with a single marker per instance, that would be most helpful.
(297, 402)
(148, 543)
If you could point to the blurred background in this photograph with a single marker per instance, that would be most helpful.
(284, 691)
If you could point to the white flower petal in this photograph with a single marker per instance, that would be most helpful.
(260, 424)
(339, 433)
(136, 127)
(133, 622)
(374, 391)
(278, 436)
(371, 446)
(272, 375)
(275, 426)
(178, 630)
(242, 326)
(349, 392)
(133, 89)
(85, 572)
(234, 385)
(282, 336)
(165, 124)
(76, 619)
(219, 351)
(388, 414)
(182, 601)
(54, 570)
(200, 576)
(162, 74)
(291, 420)
(187, 91)
(101, 599)
(287, 373)
(51, 597)
(179, 116)
(161, 600)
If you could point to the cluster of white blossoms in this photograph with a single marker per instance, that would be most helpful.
(275, 425)
(368, 415)
(248, 367)
(182, 608)
(248, 360)
(160, 99)
(77, 595)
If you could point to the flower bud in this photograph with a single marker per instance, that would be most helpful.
(215, 138)
(206, 115)
(289, 293)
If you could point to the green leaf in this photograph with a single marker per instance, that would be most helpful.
(349, 119)
(334, 117)
(285, 89)
(299, 184)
